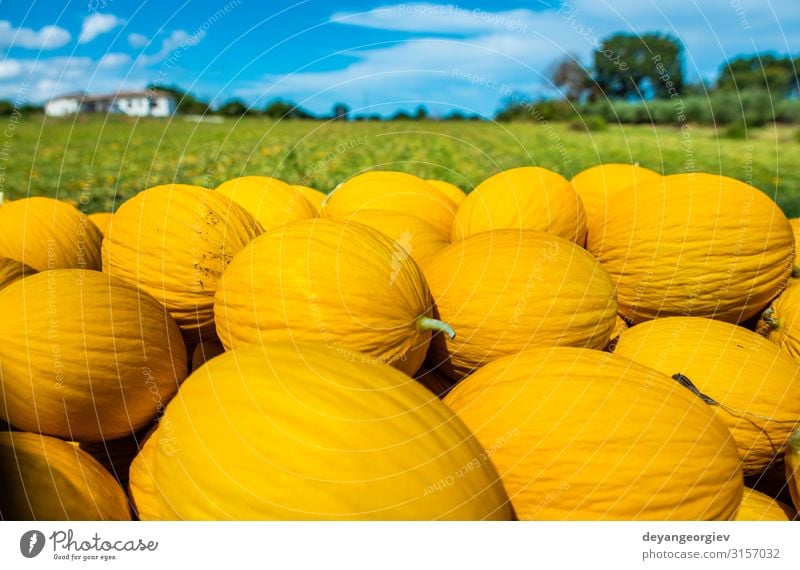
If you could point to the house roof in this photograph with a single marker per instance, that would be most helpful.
(111, 96)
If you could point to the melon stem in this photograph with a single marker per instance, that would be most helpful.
(429, 324)
(769, 319)
(795, 268)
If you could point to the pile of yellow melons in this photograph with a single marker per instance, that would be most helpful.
(623, 345)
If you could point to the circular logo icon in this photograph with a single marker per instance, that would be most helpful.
(31, 543)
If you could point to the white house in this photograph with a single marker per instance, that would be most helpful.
(152, 103)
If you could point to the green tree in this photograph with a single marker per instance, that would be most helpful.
(633, 66)
(340, 111)
(420, 113)
(401, 115)
(233, 108)
(280, 109)
(572, 78)
(765, 72)
(455, 115)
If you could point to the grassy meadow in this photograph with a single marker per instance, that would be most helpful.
(99, 162)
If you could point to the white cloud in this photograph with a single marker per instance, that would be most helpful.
(9, 68)
(177, 41)
(97, 24)
(437, 18)
(48, 77)
(49, 37)
(113, 60)
(474, 57)
(138, 40)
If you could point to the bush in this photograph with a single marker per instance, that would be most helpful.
(788, 111)
(697, 109)
(753, 108)
(735, 131)
(665, 111)
(590, 123)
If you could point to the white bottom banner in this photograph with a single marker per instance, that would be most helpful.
(390, 545)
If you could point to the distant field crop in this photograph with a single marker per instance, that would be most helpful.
(100, 162)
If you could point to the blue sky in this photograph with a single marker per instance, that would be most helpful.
(378, 56)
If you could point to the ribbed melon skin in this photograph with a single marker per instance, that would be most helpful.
(11, 270)
(508, 290)
(596, 184)
(756, 385)
(45, 233)
(693, 245)
(205, 351)
(780, 323)
(340, 283)
(795, 223)
(579, 434)
(314, 197)
(416, 236)
(394, 191)
(174, 241)
(47, 479)
(792, 460)
(270, 201)
(757, 506)
(85, 356)
(102, 220)
(290, 431)
(452, 191)
(529, 197)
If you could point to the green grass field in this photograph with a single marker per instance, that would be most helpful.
(100, 162)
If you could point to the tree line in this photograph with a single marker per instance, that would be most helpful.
(631, 79)
(642, 79)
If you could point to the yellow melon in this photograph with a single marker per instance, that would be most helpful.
(270, 201)
(587, 435)
(340, 283)
(508, 290)
(85, 356)
(395, 191)
(294, 431)
(757, 506)
(48, 234)
(792, 460)
(116, 455)
(314, 197)
(434, 380)
(102, 220)
(597, 183)
(530, 198)
(752, 386)
(11, 270)
(416, 236)
(452, 191)
(693, 245)
(619, 327)
(795, 223)
(174, 242)
(780, 323)
(45, 478)
(205, 351)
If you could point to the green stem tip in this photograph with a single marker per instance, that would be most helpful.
(768, 317)
(795, 271)
(429, 324)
